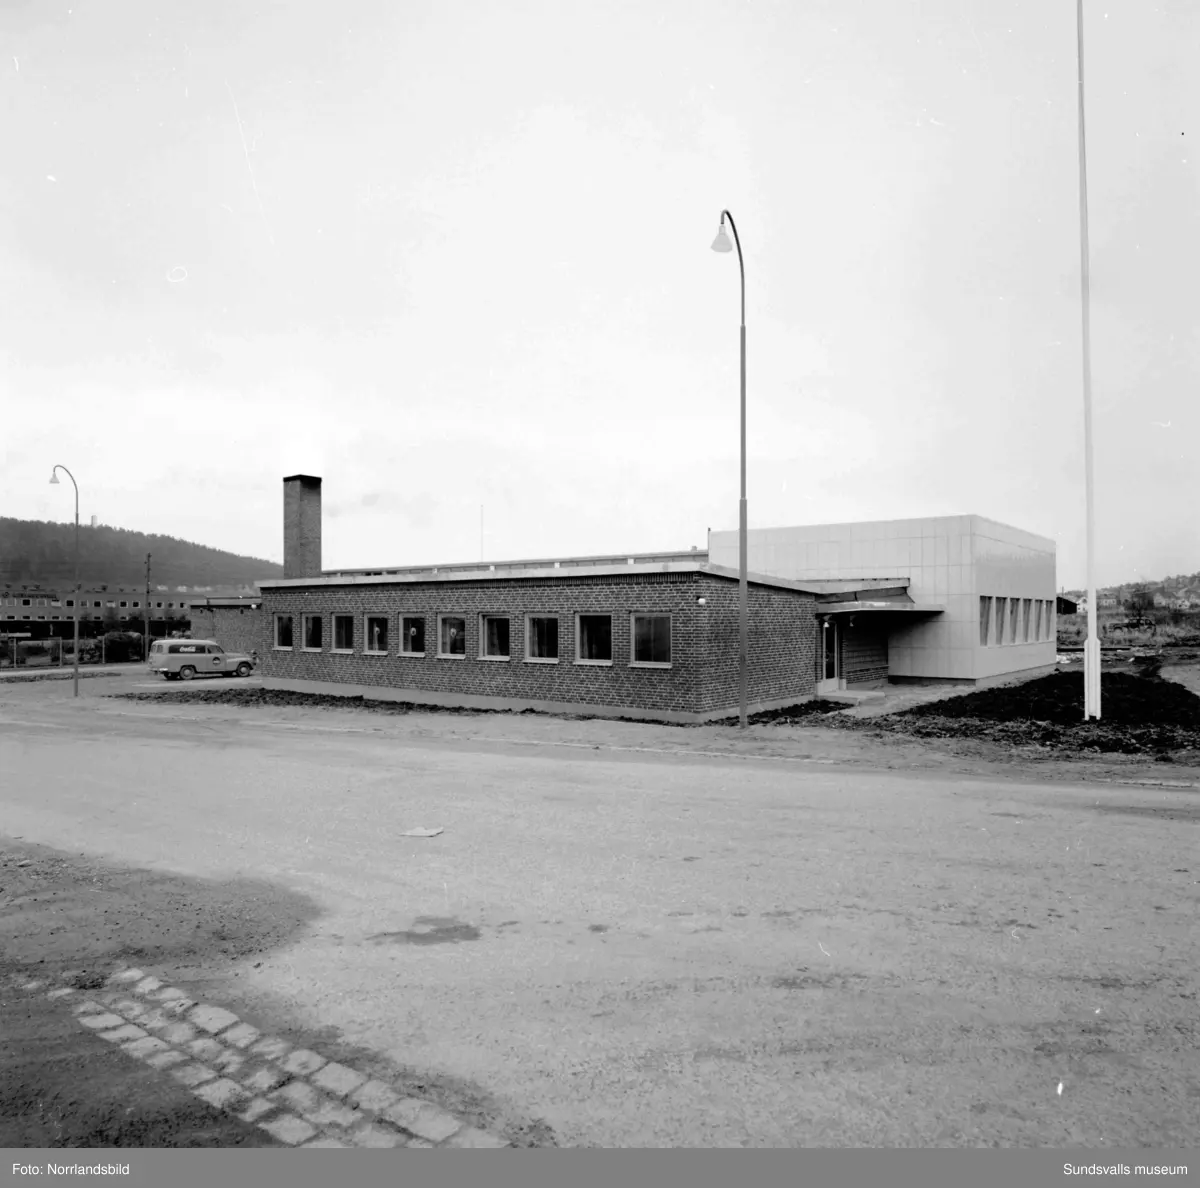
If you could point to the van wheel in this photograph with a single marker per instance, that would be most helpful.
(186, 672)
(243, 670)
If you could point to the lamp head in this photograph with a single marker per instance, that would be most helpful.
(54, 476)
(721, 243)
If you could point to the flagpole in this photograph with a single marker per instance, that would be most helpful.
(1091, 651)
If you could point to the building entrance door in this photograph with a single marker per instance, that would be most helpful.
(831, 670)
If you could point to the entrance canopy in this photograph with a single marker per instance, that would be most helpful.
(860, 598)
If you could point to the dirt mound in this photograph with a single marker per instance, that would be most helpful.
(1126, 700)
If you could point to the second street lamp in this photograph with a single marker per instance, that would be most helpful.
(721, 244)
(54, 479)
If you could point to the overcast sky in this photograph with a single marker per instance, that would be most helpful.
(449, 254)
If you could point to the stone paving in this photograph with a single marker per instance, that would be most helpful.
(296, 1095)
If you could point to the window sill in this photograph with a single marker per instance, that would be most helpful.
(505, 659)
(312, 649)
(282, 648)
(340, 651)
(649, 664)
(451, 655)
(541, 659)
(369, 652)
(595, 663)
(414, 655)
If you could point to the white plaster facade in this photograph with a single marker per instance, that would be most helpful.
(953, 562)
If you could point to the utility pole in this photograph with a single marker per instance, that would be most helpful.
(147, 656)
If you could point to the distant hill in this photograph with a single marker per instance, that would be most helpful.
(43, 553)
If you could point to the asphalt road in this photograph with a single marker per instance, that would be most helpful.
(614, 948)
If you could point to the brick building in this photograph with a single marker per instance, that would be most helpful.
(645, 636)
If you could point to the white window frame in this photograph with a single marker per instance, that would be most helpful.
(529, 639)
(333, 619)
(424, 631)
(482, 627)
(124, 604)
(633, 616)
(438, 642)
(579, 616)
(367, 617)
(276, 646)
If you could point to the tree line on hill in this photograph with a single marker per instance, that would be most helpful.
(37, 552)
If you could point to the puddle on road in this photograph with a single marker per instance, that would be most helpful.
(429, 930)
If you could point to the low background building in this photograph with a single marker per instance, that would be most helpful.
(235, 623)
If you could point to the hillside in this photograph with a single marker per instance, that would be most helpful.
(39, 552)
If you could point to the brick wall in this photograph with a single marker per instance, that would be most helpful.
(702, 676)
(301, 526)
(236, 629)
(782, 644)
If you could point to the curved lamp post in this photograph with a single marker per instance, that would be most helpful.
(54, 479)
(722, 244)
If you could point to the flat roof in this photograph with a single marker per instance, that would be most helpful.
(559, 571)
(894, 606)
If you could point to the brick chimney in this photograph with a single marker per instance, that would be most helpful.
(301, 526)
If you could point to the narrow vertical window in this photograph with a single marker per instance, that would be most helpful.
(985, 620)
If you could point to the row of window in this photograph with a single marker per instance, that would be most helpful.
(650, 637)
(1015, 620)
(83, 602)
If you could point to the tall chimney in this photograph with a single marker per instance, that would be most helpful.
(301, 526)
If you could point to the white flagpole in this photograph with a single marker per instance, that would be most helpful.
(1091, 651)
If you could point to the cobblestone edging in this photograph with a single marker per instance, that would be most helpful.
(295, 1095)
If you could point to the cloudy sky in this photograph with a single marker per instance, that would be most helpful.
(456, 254)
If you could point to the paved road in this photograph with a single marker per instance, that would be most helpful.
(620, 949)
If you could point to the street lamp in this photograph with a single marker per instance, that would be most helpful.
(721, 244)
(54, 480)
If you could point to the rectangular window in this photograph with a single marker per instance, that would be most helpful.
(541, 637)
(95, 605)
(158, 606)
(312, 633)
(377, 633)
(1013, 615)
(283, 631)
(412, 635)
(985, 620)
(1037, 618)
(452, 635)
(593, 635)
(70, 601)
(343, 633)
(493, 637)
(652, 639)
(137, 606)
(1026, 611)
(26, 602)
(1051, 613)
(1001, 619)
(124, 603)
